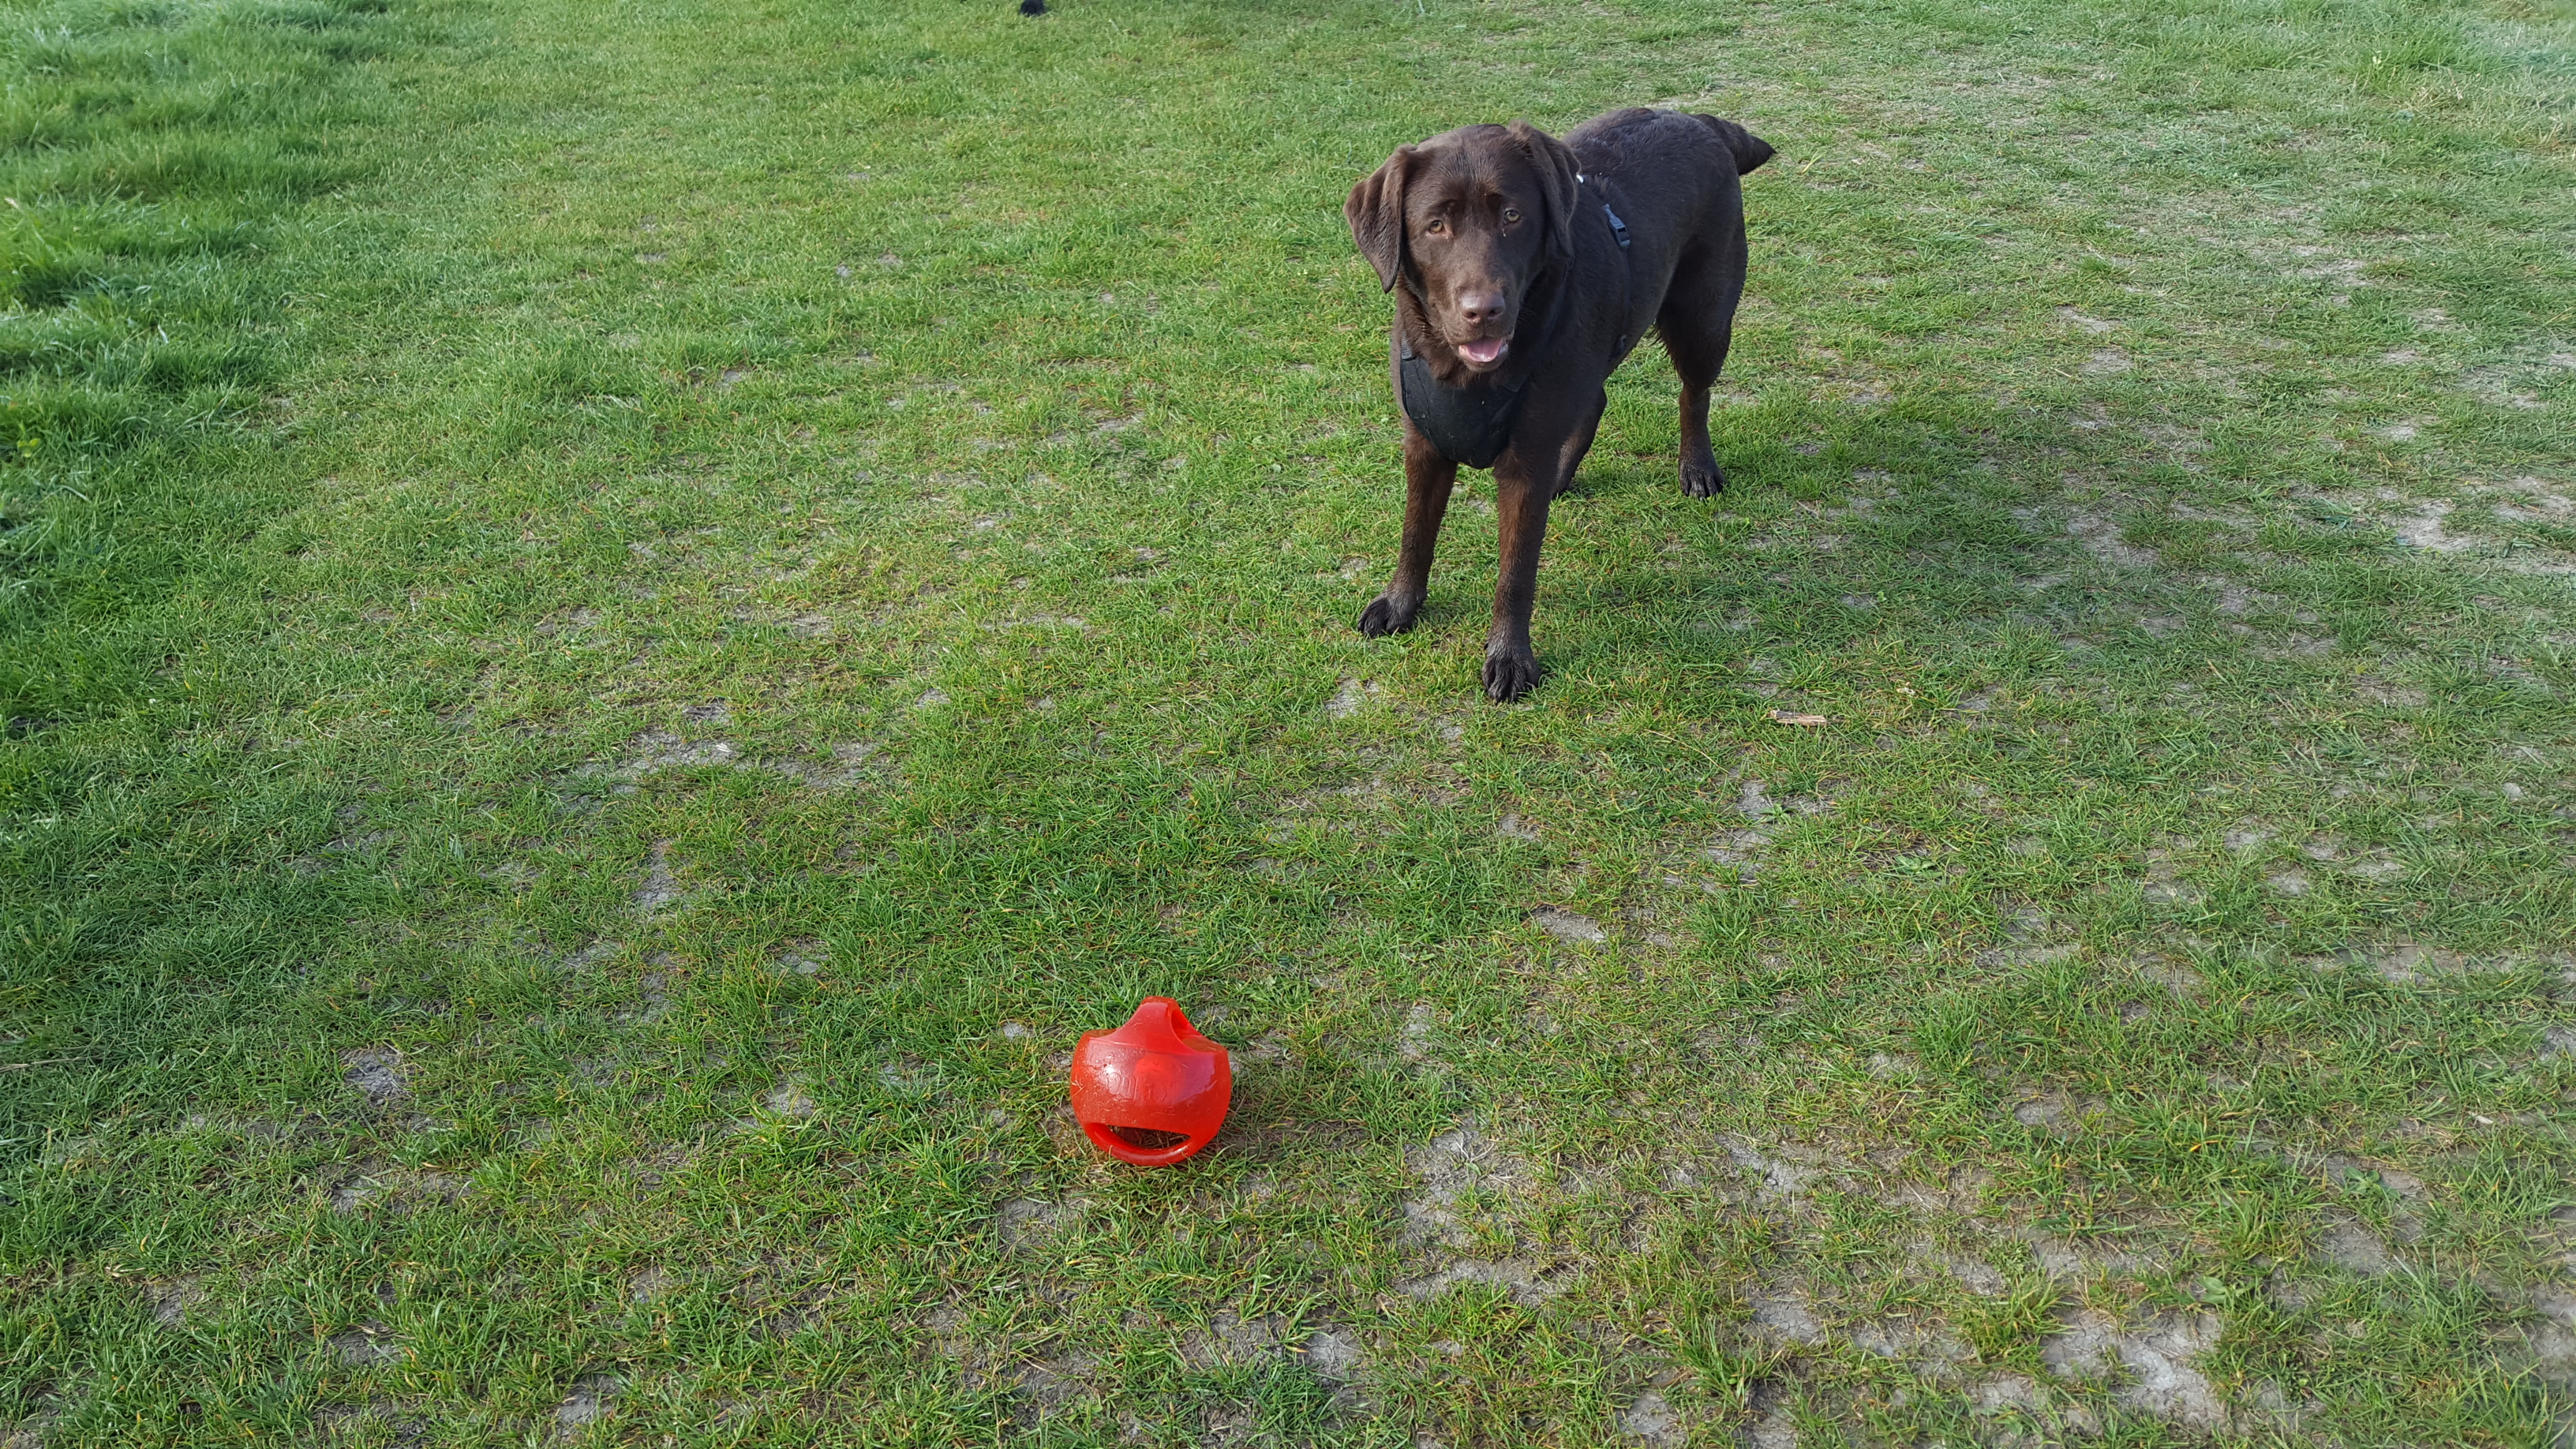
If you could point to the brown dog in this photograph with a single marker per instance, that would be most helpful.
(1529, 267)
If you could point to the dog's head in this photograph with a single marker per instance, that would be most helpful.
(1467, 221)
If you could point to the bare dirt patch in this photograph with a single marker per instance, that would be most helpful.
(2424, 529)
(1334, 1354)
(1651, 1419)
(1568, 925)
(2356, 1249)
(586, 1403)
(660, 889)
(170, 1300)
(2158, 1357)
(2164, 884)
(394, 1187)
(2408, 963)
(1465, 1178)
(1784, 1314)
(366, 1343)
(378, 1074)
(2100, 537)
(1413, 1038)
(1024, 1221)
(789, 1099)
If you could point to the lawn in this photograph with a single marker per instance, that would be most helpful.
(618, 622)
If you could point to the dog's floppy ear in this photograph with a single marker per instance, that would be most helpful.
(1555, 165)
(1376, 214)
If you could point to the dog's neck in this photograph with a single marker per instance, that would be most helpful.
(1539, 308)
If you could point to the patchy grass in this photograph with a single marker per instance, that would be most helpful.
(619, 624)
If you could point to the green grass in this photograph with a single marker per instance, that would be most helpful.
(617, 623)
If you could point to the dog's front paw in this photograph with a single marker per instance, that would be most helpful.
(1702, 478)
(1389, 613)
(1511, 671)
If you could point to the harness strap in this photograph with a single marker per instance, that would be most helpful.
(1471, 424)
(1627, 281)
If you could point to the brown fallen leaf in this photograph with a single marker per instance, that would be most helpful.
(1793, 717)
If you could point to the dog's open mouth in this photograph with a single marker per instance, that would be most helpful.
(1485, 351)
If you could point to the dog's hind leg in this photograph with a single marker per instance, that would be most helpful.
(1697, 322)
(1580, 445)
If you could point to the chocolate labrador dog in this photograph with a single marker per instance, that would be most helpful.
(1528, 267)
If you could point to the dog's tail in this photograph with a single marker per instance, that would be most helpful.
(1750, 150)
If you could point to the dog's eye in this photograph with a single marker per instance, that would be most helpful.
(1511, 213)
(1436, 226)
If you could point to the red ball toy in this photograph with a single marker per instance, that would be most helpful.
(1149, 1082)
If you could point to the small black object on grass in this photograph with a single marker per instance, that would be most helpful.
(1032, 7)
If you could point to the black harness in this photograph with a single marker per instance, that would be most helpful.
(1473, 424)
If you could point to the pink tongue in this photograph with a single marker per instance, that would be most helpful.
(1483, 350)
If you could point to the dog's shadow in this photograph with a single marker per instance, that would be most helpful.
(1937, 518)
(1264, 1143)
